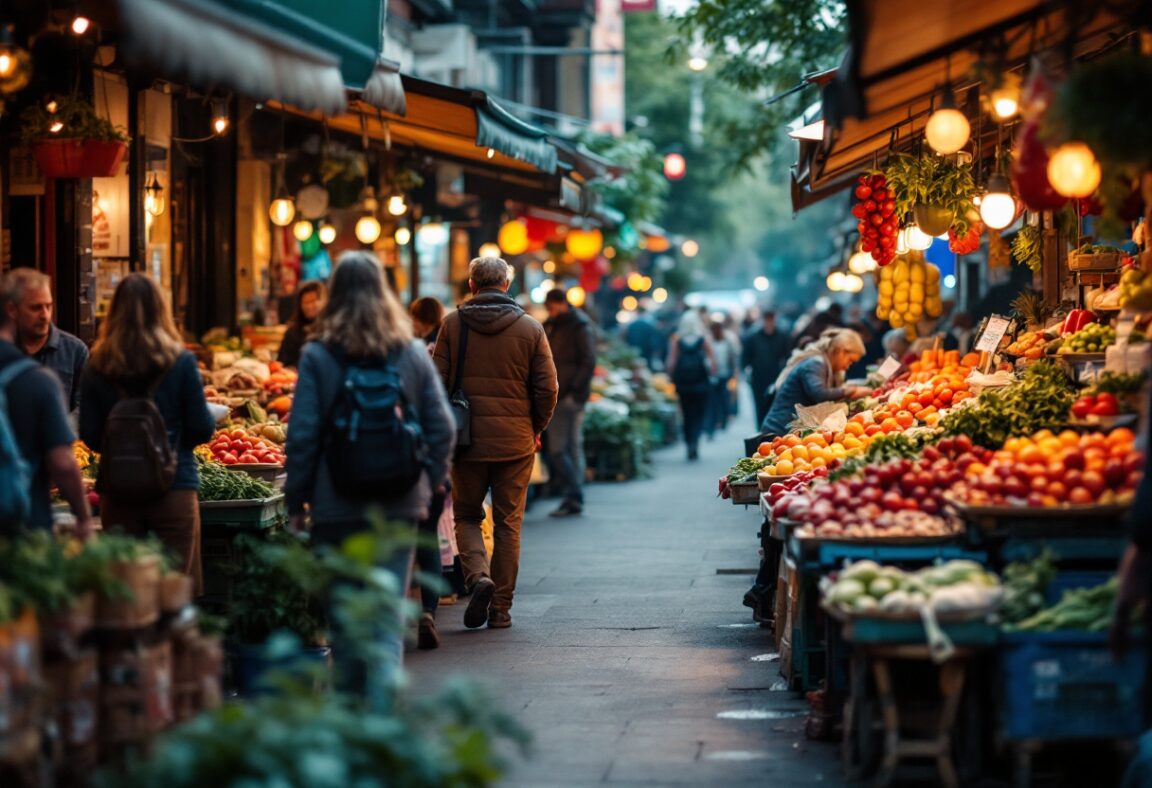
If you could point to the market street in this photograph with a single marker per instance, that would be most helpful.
(630, 657)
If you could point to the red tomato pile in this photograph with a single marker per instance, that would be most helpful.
(1103, 404)
(239, 447)
(879, 223)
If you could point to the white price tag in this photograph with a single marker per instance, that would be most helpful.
(993, 333)
(889, 368)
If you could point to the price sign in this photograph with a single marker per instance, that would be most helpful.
(994, 331)
(888, 368)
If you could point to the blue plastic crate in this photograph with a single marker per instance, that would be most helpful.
(1065, 685)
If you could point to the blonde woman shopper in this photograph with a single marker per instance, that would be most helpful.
(364, 364)
(815, 374)
(140, 354)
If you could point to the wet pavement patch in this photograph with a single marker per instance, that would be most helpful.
(759, 714)
(765, 658)
(737, 755)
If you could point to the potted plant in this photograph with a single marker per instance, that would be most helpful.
(129, 597)
(276, 585)
(69, 140)
(937, 190)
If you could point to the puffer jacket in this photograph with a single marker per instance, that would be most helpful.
(509, 375)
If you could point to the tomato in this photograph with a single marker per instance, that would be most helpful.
(1082, 407)
(248, 458)
(236, 434)
(863, 192)
(229, 458)
(1104, 407)
(1079, 495)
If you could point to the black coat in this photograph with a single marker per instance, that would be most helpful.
(573, 341)
(765, 355)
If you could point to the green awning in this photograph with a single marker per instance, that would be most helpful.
(213, 43)
(499, 129)
(297, 51)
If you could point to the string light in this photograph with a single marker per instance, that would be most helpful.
(220, 122)
(396, 205)
(327, 233)
(302, 230)
(403, 236)
(367, 229)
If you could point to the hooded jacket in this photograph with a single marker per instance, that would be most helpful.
(573, 342)
(509, 375)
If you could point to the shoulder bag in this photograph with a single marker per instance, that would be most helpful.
(458, 401)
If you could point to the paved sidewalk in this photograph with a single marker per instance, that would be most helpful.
(630, 656)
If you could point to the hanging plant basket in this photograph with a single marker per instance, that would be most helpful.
(78, 158)
(934, 219)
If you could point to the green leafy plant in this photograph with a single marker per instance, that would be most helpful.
(1026, 247)
(77, 118)
(932, 180)
(275, 584)
(1039, 400)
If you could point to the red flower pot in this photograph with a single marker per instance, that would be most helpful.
(73, 158)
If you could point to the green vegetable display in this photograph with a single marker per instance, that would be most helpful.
(1024, 585)
(1085, 609)
(217, 483)
(746, 469)
(1038, 401)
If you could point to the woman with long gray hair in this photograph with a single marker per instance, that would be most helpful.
(692, 365)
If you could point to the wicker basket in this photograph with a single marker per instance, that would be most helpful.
(142, 608)
(1109, 261)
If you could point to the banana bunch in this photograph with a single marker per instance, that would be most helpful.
(909, 289)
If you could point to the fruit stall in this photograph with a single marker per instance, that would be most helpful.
(965, 519)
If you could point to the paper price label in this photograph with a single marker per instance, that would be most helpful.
(993, 333)
(889, 368)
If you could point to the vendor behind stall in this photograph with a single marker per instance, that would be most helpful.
(310, 300)
(815, 374)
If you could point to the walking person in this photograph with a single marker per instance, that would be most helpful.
(492, 352)
(692, 366)
(309, 301)
(573, 341)
(30, 307)
(34, 429)
(143, 410)
(764, 354)
(726, 355)
(364, 366)
(427, 314)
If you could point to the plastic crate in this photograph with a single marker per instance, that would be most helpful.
(1066, 685)
(258, 513)
(1067, 580)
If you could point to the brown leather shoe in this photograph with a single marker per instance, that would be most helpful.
(499, 619)
(477, 611)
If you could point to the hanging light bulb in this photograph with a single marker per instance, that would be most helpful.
(902, 241)
(917, 239)
(998, 207)
(947, 130)
(1073, 170)
(154, 197)
(403, 236)
(861, 263)
(1005, 102)
(220, 122)
(302, 230)
(835, 281)
(15, 63)
(80, 25)
(282, 211)
(852, 283)
(396, 205)
(327, 233)
(491, 153)
(367, 229)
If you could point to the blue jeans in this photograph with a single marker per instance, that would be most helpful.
(566, 449)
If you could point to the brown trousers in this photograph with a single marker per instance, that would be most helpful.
(175, 519)
(508, 482)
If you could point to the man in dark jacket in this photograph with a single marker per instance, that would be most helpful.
(573, 341)
(764, 354)
(510, 381)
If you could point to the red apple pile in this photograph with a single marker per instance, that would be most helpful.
(878, 224)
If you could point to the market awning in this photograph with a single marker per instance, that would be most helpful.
(904, 51)
(235, 46)
(459, 124)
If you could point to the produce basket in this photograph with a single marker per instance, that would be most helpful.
(263, 471)
(1108, 261)
(745, 493)
(258, 513)
(767, 480)
(1068, 511)
(830, 553)
(962, 629)
(1066, 685)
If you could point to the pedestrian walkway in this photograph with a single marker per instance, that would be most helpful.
(631, 658)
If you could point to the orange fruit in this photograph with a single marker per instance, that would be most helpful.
(1121, 435)
(1042, 435)
(818, 462)
(915, 408)
(945, 395)
(800, 452)
(785, 468)
(932, 419)
(791, 440)
(925, 398)
(905, 419)
(890, 425)
(765, 449)
(872, 429)
(854, 428)
(1070, 438)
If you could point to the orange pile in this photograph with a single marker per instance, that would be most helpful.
(793, 454)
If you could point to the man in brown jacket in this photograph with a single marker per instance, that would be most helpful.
(510, 381)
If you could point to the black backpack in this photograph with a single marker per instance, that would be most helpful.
(376, 450)
(137, 463)
(691, 365)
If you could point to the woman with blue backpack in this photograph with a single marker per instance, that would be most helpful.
(371, 432)
(692, 365)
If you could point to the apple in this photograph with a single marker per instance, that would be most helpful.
(1114, 473)
(1074, 460)
(1014, 488)
(1080, 495)
(962, 443)
(1035, 499)
(1057, 490)
(1093, 482)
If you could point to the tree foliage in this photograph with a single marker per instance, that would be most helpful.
(764, 48)
(640, 192)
